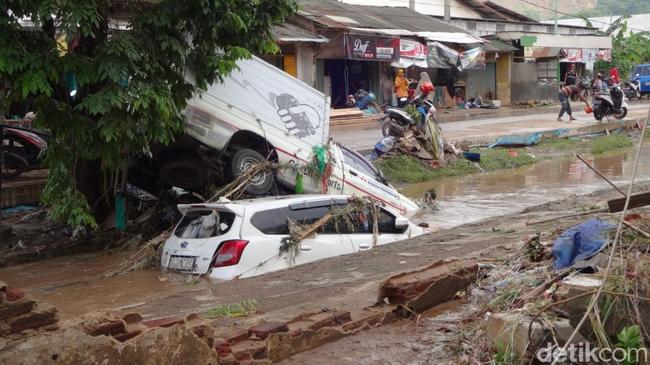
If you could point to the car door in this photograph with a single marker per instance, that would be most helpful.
(269, 229)
(362, 236)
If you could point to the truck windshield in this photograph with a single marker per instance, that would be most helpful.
(642, 70)
(204, 224)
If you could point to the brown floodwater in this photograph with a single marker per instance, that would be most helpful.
(77, 284)
(475, 197)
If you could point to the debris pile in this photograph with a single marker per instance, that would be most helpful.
(527, 308)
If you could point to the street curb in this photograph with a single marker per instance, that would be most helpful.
(481, 141)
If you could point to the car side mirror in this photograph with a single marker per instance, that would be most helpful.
(401, 223)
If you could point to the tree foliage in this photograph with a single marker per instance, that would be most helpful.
(628, 49)
(617, 7)
(127, 60)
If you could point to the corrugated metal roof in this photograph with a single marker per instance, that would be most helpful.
(287, 32)
(334, 14)
(496, 45)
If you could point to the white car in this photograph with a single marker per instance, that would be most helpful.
(237, 239)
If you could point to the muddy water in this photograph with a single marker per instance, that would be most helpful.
(78, 284)
(475, 197)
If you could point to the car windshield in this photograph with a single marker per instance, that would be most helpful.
(204, 224)
(642, 70)
(360, 163)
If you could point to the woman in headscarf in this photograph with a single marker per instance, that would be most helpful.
(424, 77)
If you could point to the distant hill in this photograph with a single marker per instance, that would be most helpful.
(587, 8)
(535, 12)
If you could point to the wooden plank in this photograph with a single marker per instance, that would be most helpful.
(636, 200)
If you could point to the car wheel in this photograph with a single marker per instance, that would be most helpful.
(245, 159)
(622, 114)
(185, 172)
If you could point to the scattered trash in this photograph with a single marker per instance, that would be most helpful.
(472, 156)
(17, 209)
(520, 140)
(580, 242)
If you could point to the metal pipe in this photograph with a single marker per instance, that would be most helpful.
(601, 175)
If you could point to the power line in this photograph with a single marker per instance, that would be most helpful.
(575, 17)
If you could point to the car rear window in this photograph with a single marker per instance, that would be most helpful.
(204, 224)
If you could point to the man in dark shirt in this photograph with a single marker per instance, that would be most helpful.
(565, 95)
(570, 76)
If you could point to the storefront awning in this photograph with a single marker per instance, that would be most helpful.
(541, 52)
(289, 33)
(496, 45)
(446, 37)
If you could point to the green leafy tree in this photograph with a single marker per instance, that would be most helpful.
(628, 49)
(106, 78)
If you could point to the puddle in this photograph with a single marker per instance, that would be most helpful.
(74, 286)
(475, 197)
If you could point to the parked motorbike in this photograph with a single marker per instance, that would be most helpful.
(22, 150)
(614, 104)
(632, 89)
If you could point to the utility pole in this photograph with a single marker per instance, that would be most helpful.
(555, 16)
(447, 11)
(412, 4)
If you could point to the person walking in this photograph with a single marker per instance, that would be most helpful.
(570, 77)
(565, 95)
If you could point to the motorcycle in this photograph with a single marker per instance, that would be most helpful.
(632, 89)
(614, 104)
(22, 150)
(397, 120)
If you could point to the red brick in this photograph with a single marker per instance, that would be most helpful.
(132, 318)
(16, 309)
(234, 335)
(223, 347)
(32, 321)
(228, 360)
(297, 328)
(199, 331)
(342, 316)
(14, 294)
(192, 317)
(264, 329)
(361, 319)
(111, 328)
(163, 322)
(128, 335)
(250, 349)
(321, 320)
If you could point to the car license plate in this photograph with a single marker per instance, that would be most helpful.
(181, 263)
(647, 83)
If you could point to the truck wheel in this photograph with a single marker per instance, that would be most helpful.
(245, 159)
(185, 172)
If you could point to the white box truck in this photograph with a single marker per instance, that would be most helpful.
(261, 112)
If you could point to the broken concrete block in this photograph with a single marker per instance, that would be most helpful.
(513, 329)
(264, 329)
(422, 289)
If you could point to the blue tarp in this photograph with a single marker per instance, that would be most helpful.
(580, 242)
(521, 140)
